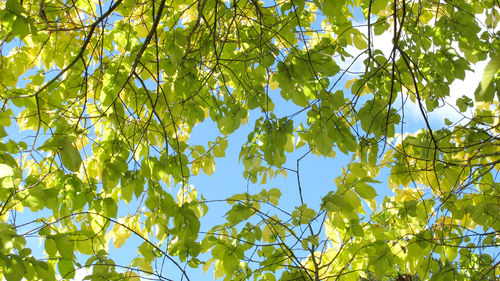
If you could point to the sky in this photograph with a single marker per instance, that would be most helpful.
(317, 173)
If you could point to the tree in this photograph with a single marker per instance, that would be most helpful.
(99, 100)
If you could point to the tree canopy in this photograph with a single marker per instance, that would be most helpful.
(99, 100)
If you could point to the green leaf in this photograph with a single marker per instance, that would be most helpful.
(65, 247)
(21, 27)
(485, 95)
(230, 263)
(50, 247)
(3, 134)
(359, 42)
(463, 103)
(14, 6)
(66, 268)
(143, 264)
(352, 199)
(274, 196)
(110, 207)
(25, 252)
(237, 197)
(332, 8)
(365, 191)
(378, 5)
(15, 270)
(152, 200)
(110, 176)
(307, 215)
(147, 251)
(489, 73)
(238, 213)
(70, 157)
(323, 143)
(218, 152)
(127, 187)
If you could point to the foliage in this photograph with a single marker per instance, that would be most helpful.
(99, 100)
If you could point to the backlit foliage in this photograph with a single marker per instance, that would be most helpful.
(99, 99)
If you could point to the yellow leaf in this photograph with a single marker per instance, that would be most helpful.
(207, 264)
(121, 234)
(145, 265)
(219, 270)
(267, 234)
(4, 217)
(348, 84)
(273, 85)
(132, 276)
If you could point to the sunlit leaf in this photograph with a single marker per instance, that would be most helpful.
(70, 157)
(365, 191)
(489, 73)
(66, 268)
(6, 171)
